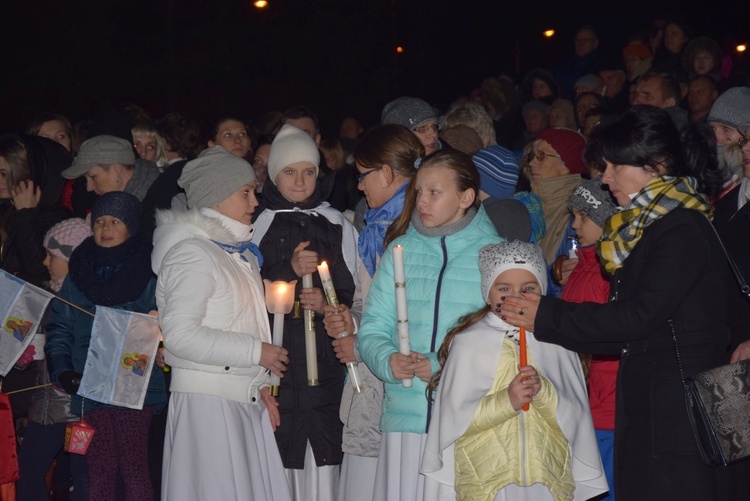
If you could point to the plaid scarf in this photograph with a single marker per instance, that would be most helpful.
(623, 230)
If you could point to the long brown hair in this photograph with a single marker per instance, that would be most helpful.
(463, 323)
(465, 176)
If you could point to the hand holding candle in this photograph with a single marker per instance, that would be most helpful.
(399, 278)
(523, 356)
(333, 300)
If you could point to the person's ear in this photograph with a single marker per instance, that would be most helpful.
(388, 174)
(466, 199)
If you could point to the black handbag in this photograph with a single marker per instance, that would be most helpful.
(718, 401)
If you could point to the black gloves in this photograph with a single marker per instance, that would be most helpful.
(70, 381)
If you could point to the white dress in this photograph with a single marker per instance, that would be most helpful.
(219, 441)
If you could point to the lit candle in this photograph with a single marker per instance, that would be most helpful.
(333, 300)
(401, 314)
(311, 352)
(279, 301)
(523, 356)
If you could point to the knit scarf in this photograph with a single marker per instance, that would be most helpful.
(555, 193)
(110, 276)
(377, 222)
(623, 230)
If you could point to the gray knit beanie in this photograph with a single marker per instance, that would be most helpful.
(290, 146)
(410, 112)
(497, 258)
(593, 201)
(732, 107)
(213, 177)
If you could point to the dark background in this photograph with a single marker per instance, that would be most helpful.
(205, 57)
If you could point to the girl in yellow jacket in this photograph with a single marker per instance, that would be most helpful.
(480, 440)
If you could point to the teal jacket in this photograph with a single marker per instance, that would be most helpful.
(443, 283)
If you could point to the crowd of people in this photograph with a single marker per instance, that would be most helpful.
(555, 237)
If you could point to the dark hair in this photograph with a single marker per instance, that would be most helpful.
(393, 145)
(36, 123)
(465, 175)
(183, 134)
(668, 85)
(463, 323)
(213, 131)
(298, 112)
(702, 159)
(643, 136)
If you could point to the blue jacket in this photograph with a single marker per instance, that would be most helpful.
(443, 283)
(69, 333)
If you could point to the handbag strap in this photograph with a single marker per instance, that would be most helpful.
(677, 353)
(744, 288)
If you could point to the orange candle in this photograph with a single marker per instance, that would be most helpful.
(523, 356)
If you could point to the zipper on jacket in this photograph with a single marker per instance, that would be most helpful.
(436, 315)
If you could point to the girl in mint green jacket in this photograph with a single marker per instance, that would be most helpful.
(441, 231)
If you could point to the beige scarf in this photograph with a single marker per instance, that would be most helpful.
(555, 193)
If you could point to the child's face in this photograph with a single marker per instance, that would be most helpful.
(296, 182)
(439, 203)
(109, 231)
(512, 282)
(587, 231)
(56, 266)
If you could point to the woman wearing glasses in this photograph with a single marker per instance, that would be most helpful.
(386, 160)
(554, 166)
(417, 116)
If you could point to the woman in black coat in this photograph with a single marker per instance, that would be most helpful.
(669, 277)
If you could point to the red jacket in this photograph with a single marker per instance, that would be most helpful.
(588, 284)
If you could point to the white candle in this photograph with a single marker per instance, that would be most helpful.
(333, 300)
(278, 340)
(279, 301)
(311, 351)
(401, 313)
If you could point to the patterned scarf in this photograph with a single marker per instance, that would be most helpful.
(623, 230)
(378, 221)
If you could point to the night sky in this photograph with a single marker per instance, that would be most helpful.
(208, 57)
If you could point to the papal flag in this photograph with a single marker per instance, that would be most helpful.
(121, 357)
(22, 306)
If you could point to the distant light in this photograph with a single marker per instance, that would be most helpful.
(400, 49)
(549, 33)
(260, 3)
(741, 48)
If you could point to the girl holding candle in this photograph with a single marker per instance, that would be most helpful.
(219, 441)
(296, 230)
(488, 406)
(441, 230)
(385, 159)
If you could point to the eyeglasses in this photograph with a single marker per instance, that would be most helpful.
(361, 176)
(427, 128)
(539, 155)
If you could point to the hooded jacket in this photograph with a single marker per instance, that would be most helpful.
(442, 285)
(211, 308)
